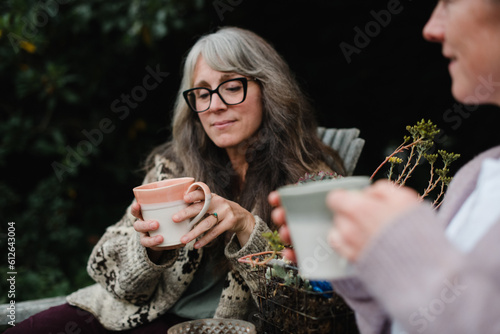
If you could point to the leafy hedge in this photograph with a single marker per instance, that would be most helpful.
(73, 109)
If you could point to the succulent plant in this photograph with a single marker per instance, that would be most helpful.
(417, 145)
(318, 176)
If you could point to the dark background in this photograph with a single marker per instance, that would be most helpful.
(89, 53)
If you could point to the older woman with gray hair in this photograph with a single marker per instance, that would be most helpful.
(242, 125)
(419, 270)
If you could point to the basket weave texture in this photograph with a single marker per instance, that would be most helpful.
(291, 309)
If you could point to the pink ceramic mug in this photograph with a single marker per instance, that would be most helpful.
(161, 200)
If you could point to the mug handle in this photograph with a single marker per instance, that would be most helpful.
(208, 199)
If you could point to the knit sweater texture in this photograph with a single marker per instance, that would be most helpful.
(131, 290)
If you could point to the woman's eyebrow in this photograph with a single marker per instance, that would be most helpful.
(227, 76)
(201, 83)
(224, 77)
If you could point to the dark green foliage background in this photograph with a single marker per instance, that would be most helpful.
(88, 53)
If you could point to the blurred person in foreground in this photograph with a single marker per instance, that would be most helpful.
(241, 125)
(419, 270)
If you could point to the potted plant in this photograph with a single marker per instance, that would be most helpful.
(289, 303)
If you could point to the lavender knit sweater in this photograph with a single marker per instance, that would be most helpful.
(410, 273)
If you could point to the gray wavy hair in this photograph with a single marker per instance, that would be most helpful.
(286, 145)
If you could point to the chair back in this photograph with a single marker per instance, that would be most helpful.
(346, 142)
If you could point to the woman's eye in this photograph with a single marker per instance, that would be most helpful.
(203, 96)
(234, 89)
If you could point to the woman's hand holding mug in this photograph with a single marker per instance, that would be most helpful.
(158, 203)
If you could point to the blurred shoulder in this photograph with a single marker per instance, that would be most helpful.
(162, 164)
(165, 168)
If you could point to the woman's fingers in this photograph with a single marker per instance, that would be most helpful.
(274, 199)
(150, 242)
(285, 235)
(361, 215)
(187, 213)
(342, 239)
(230, 217)
(196, 200)
(195, 196)
(289, 254)
(135, 210)
(211, 226)
(278, 216)
(144, 227)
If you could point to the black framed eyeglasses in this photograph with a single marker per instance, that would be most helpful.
(231, 92)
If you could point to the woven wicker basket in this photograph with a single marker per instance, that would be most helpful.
(213, 326)
(291, 309)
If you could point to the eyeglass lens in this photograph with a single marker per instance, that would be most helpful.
(231, 92)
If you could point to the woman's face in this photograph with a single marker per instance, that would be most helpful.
(469, 31)
(228, 126)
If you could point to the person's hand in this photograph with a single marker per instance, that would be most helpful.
(279, 218)
(360, 215)
(144, 227)
(230, 217)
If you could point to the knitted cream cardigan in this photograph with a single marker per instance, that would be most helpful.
(131, 290)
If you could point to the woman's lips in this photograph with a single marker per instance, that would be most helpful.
(453, 61)
(451, 58)
(222, 124)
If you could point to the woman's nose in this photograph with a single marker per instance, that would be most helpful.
(217, 104)
(435, 27)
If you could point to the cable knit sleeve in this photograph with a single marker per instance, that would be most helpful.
(256, 243)
(120, 264)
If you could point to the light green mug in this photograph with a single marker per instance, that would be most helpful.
(310, 220)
